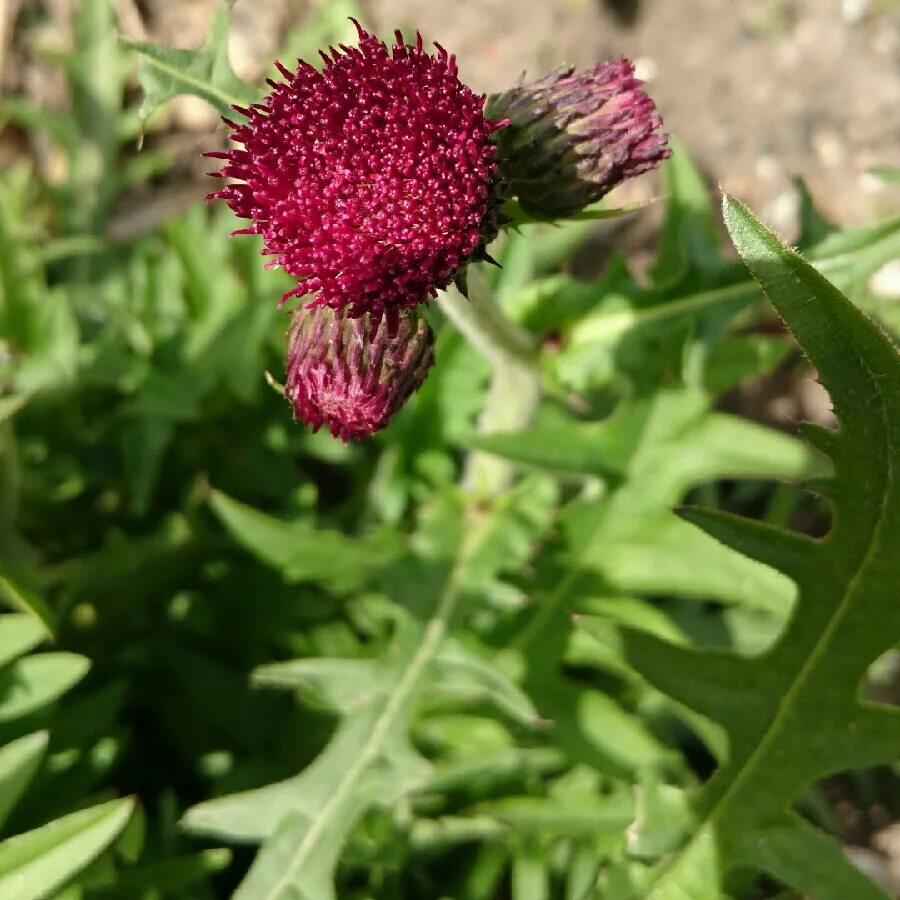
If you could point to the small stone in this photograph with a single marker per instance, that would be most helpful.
(854, 11)
(829, 147)
(886, 281)
(645, 68)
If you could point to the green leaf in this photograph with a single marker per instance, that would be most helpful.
(462, 674)
(35, 864)
(302, 551)
(19, 633)
(513, 210)
(689, 236)
(33, 682)
(510, 530)
(799, 855)
(793, 715)
(614, 326)
(664, 556)
(814, 227)
(530, 879)
(339, 685)
(207, 73)
(587, 814)
(169, 875)
(18, 762)
(9, 406)
(717, 446)
(29, 601)
(733, 359)
(304, 821)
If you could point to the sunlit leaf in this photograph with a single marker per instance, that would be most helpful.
(793, 715)
(34, 864)
(207, 73)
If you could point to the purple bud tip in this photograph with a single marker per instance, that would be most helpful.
(368, 181)
(573, 136)
(353, 373)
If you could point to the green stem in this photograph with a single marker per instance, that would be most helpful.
(485, 325)
(515, 384)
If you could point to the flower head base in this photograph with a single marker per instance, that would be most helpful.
(573, 137)
(370, 180)
(353, 374)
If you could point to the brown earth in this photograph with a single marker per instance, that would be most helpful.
(757, 90)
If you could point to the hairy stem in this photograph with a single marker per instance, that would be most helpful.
(515, 384)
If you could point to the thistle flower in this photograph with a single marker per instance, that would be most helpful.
(370, 180)
(353, 373)
(573, 137)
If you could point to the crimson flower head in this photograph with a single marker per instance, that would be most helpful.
(573, 136)
(353, 374)
(370, 181)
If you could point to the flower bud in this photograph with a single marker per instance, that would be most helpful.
(572, 137)
(353, 374)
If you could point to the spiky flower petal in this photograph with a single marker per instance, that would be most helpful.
(353, 373)
(573, 137)
(370, 180)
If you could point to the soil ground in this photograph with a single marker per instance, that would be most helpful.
(756, 89)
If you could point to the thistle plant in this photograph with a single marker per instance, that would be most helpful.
(375, 181)
(490, 654)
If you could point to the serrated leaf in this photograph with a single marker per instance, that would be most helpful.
(34, 864)
(461, 673)
(786, 710)
(367, 761)
(302, 551)
(304, 821)
(340, 685)
(710, 445)
(167, 72)
(798, 854)
(614, 326)
(664, 556)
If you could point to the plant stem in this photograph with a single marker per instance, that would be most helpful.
(515, 384)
